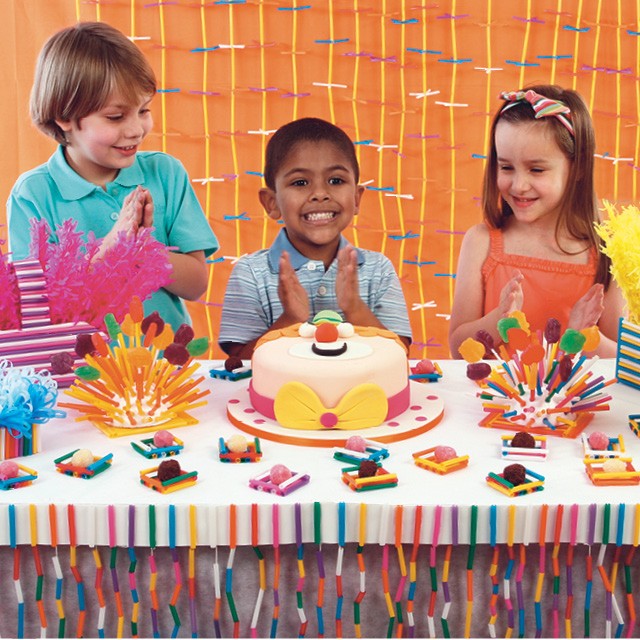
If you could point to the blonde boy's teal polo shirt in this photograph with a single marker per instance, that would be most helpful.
(55, 192)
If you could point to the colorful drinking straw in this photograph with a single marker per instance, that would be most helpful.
(569, 570)
(403, 569)
(262, 586)
(472, 550)
(275, 516)
(342, 525)
(413, 571)
(542, 536)
(361, 568)
(493, 570)
(627, 572)
(445, 572)
(191, 577)
(153, 572)
(55, 559)
(16, 569)
(317, 539)
(385, 567)
(33, 530)
(113, 557)
(435, 534)
(301, 572)
(133, 562)
(229, 572)
(175, 560)
(509, 571)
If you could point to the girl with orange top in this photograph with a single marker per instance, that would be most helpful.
(537, 250)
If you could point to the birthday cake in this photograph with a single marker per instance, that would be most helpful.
(329, 374)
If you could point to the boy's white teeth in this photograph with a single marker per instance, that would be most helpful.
(319, 215)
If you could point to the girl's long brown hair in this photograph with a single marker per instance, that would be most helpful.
(579, 206)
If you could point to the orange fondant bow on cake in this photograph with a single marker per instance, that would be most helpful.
(296, 406)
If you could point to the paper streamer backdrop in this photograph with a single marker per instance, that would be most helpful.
(413, 84)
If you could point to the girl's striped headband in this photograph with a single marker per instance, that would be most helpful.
(541, 106)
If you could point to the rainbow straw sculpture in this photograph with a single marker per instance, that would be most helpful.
(543, 383)
(140, 381)
(27, 400)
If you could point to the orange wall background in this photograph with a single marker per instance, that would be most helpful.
(413, 84)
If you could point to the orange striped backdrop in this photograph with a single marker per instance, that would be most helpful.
(412, 83)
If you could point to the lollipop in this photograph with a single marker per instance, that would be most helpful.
(478, 370)
(552, 331)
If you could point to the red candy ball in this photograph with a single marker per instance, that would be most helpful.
(326, 332)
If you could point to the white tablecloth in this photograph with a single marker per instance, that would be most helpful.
(114, 506)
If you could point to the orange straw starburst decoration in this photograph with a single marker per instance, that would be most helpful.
(142, 379)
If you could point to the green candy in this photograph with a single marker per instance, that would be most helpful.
(198, 347)
(572, 341)
(327, 316)
(504, 324)
(87, 372)
(113, 328)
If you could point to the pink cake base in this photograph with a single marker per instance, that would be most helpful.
(425, 411)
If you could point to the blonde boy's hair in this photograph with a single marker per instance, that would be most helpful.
(77, 71)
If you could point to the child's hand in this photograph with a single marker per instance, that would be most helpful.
(136, 212)
(587, 311)
(511, 296)
(347, 289)
(294, 299)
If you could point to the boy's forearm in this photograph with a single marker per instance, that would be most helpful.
(190, 274)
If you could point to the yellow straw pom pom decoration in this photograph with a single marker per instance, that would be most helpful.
(621, 235)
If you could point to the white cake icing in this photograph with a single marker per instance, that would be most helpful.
(289, 377)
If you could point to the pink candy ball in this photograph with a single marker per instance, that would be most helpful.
(598, 440)
(442, 453)
(356, 443)
(279, 473)
(162, 439)
(425, 367)
(9, 469)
